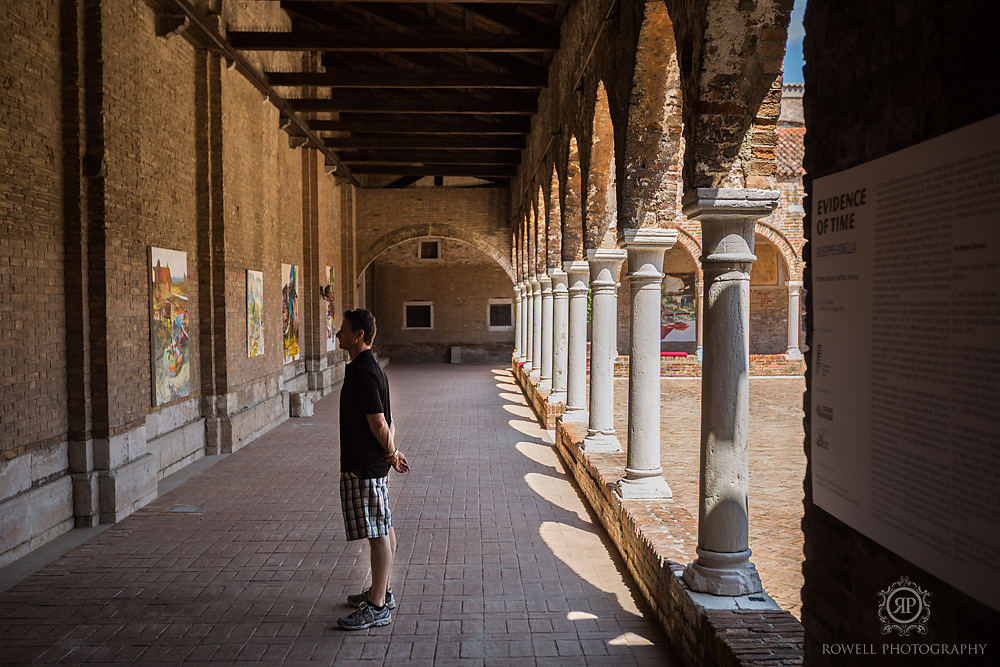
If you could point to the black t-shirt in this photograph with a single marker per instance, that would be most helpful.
(365, 392)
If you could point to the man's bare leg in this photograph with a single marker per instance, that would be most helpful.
(382, 549)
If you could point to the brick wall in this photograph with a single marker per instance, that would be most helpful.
(917, 71)
(460, 285)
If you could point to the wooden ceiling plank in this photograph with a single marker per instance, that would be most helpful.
(403, 103)
(425, 124)
(423, 156)
(484, 171)
(393, 42)
(397, 78)
(469, 142)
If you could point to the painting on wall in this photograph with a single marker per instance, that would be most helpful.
(678, 312)
(255, 313)
(329, 296)
(290, 311)
(170, 343)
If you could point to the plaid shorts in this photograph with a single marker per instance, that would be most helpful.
(366, 506)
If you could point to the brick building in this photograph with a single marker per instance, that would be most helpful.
(471, 172)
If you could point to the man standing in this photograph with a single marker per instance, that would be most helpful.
(367, 451)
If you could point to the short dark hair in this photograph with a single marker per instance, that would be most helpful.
(362, 320)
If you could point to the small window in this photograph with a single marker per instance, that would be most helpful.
(501, 314)
(418, 315)
(429, 250)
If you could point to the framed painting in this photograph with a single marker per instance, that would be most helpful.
(678, 311)
(170, 343)
(255, 313)
(290, 311)
(330, 298)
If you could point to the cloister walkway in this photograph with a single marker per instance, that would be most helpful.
(499, 562)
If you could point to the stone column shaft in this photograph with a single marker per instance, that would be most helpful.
(793, 351)
(517, 321)
(578, 274)
(604, 266)
(545, 379)
(529, 324)
(643, 473)
(560, 334)
(727, 218)
(523, 320)
(699, 333)
(536, 328)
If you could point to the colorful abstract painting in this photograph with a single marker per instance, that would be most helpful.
(678, 312)
(168, 323)
(290, 311)
(329, 294)
(255, 313)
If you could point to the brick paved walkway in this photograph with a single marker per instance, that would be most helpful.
(498, 562)
(777, 468)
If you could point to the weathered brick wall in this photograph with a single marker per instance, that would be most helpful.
(478, 216)
(460, 286)
(917, 70)
(32, 297)
(149, 191)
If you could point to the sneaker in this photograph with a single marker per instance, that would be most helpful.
(363, 596)
(366, 616)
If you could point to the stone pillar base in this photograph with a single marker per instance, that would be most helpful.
(795, 355)
(644, 487)
(577, 416)
(601, 442)
(729, 574)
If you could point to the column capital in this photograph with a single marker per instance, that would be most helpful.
(559, 281)
(794, 285)
(604, 265)
(649, 238)
(749, 203)
(546, 282)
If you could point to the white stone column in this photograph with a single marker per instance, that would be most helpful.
(604, 266)
(578, 274)
(643, 473)
(536, 328)
(529, 324)
(727, 218)
(794, 289)
(699, 332)
(523, 320)
(545, 379)
(560, 334)
(517, 321)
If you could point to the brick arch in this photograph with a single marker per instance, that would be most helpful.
(554, 226)
(650, 165)
(572, 217)
(793, 264)
(691, 244)
(436, 230)
(601, 208)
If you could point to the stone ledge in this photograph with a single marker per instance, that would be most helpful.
(655, 538)
(545, 412)
(761, 365)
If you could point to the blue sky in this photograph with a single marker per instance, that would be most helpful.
(793, 52)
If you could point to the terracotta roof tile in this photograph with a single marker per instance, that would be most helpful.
(790, 151)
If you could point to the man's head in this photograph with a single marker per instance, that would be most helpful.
(357, 331)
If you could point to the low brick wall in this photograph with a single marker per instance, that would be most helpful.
(761, 365)
(538, 399)
(656, 538)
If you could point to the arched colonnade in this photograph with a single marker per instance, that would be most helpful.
(661, 145)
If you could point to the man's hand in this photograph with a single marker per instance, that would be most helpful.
(398, 461)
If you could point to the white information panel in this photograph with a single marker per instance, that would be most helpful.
(906, 354)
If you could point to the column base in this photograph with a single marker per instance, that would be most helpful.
(717, 573)
(575, 416)
(644, 487)
(793, 354)
(601, 442)
(545, 384)
(557, 398)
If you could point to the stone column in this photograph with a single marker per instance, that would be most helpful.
(578, 274)
(699, 332)
(536, 329)
(518, 313)
(560, 327)
(545, 379)
(529, 327)
(604, 266)
(727, 218)
(523, 316)
(643, 474)
(793, 351)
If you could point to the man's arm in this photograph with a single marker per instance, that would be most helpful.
(384, 435)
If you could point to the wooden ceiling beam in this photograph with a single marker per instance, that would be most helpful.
(468, 142)
(399, 78)
(425, 124)
(477, 171)
(455, 42)
(424, 156)
(408, 103)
